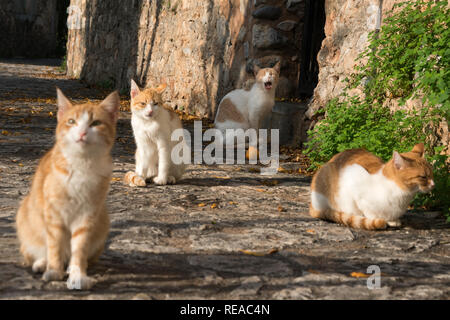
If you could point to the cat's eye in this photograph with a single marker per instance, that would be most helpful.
(71, 121)
(96, 123)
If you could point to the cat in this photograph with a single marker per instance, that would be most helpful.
(153, 124)
(357, 189)
(244, 109)
(63, 220)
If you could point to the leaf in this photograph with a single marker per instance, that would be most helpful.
(311, 231)
(214, 206)
(359, 275)
(281, 209)
(201, 204)
(259, 253)
(313, 271)
(222, 177)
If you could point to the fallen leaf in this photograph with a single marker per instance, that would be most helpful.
(214, 205)
(219, 177)
(313, 271)
(311, 231)
(359, 275)
(281, 209)
(201, 204)
(259, 253)
(260, 190)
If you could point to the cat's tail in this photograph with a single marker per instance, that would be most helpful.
(353, 221)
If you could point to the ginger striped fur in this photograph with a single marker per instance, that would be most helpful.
(63, 220)
(357, 189)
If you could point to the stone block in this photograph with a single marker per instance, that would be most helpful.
(266, 37)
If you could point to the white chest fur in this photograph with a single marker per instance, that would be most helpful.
(371, 195)
(85, 189)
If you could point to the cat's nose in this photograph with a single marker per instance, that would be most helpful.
(82, 136)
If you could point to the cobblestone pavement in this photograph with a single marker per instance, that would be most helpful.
(223, 232)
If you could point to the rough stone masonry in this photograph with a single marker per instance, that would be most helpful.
(201, 49)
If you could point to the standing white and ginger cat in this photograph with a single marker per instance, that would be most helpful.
(244, 109)
(153, 124)
(357, 189)
(63, 220)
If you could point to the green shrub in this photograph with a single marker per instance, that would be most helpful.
(408, 58)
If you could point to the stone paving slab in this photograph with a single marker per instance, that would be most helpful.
(223, 232)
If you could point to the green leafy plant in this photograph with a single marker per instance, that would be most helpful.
(409, 58)
(63, 66)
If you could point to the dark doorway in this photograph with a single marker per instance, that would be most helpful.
(61, 10)
(33, 29)
(313, 35)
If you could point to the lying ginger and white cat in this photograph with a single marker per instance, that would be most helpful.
(357, 189)
(244, 109)
(153, 124)
(63, 220)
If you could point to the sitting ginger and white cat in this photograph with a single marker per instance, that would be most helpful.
(63, 220)
(357, 189)
(153, 124)
(244, 109)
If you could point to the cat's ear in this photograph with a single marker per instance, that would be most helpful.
(160, 89)
(256, 69)
(399, 162)
(111, 105)
(277, 67)
(419, 149)
(64, 103)
(134, 89)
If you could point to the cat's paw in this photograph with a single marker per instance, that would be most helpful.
(164, 180)
(160, 180)
(52, 275)
(134, 180)
(152, 172)
(171, 180)
(39, 266)
(77, 281)
(394, 224)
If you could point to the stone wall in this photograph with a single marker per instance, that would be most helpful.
(201, 49)
(348, 23)
(28, 28)
(347, 26)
